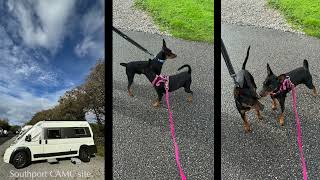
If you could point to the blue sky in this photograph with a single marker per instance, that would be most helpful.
(46, 48)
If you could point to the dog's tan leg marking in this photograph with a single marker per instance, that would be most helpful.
(259, 114)
(281, 119)
(130, 92)
(189, 99)
(156, 103)
(246, 124)
(274, 104)
(314, 91)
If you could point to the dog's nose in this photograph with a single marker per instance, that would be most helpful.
(261, 94)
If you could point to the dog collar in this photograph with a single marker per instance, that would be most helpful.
(160, 60)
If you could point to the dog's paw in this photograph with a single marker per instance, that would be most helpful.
(247, 129)
(156, 104)
(314, 92)
(274, 107)
(190, 99)
(130, 93)
(281, 121)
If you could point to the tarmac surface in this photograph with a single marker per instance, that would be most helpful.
(270, 151)
(6, 138)
(142, 144)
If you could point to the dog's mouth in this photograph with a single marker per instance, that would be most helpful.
(171, 56)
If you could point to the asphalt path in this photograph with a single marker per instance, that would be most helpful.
(142, 145)
(6, 138)
(270, 151)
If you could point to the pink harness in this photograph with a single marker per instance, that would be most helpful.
(287, 84)
(156, 82)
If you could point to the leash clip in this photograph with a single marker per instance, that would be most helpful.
(159, 79)
(166, 84)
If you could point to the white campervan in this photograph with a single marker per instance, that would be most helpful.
(50, 140)
(25, 128)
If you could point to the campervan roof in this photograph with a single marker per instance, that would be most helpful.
(64, 123)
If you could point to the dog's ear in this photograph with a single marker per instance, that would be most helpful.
(269, 69)
(164, 43)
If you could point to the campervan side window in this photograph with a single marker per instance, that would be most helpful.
(54, 134)
(79, 131)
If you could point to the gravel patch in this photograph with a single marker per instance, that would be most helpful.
(43, 170)
(254, 13)
(126, 16)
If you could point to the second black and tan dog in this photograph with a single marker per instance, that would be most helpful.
(272, 84)
(176, 81)
(245, 94)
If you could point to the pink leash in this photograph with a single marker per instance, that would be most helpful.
(156, 82)
(288, 84)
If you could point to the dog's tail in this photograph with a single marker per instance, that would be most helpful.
(245, 60)
(186, 65)
(124, 64)
(306, 65)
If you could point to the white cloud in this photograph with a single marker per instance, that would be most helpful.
(92, 27)
(20, 107)
(18, 63)
(43, 22)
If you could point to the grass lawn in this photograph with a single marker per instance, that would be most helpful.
(302, 14)
(186, 19)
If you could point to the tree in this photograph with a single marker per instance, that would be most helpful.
(74, 104)
(94, 89)
(4, 124)
(14, 128)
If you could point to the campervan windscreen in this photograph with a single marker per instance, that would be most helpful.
(21, 135)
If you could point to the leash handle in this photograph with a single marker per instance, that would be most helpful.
(131, 41)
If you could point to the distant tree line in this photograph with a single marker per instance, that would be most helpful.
(4, 124)
(74, 104)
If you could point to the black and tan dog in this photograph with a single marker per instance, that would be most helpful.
(176, 81)
(272, 84)
(136, 67)
(245, 95)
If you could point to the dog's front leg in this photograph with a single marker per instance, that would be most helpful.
(274, 103)
(157, 102)
(282, 102)
(258, 107)
(246, 124)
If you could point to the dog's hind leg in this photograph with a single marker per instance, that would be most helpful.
(130, 81)
(188, 90)
(310, 85)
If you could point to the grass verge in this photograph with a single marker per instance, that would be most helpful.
(302, 14)
(186, 19)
